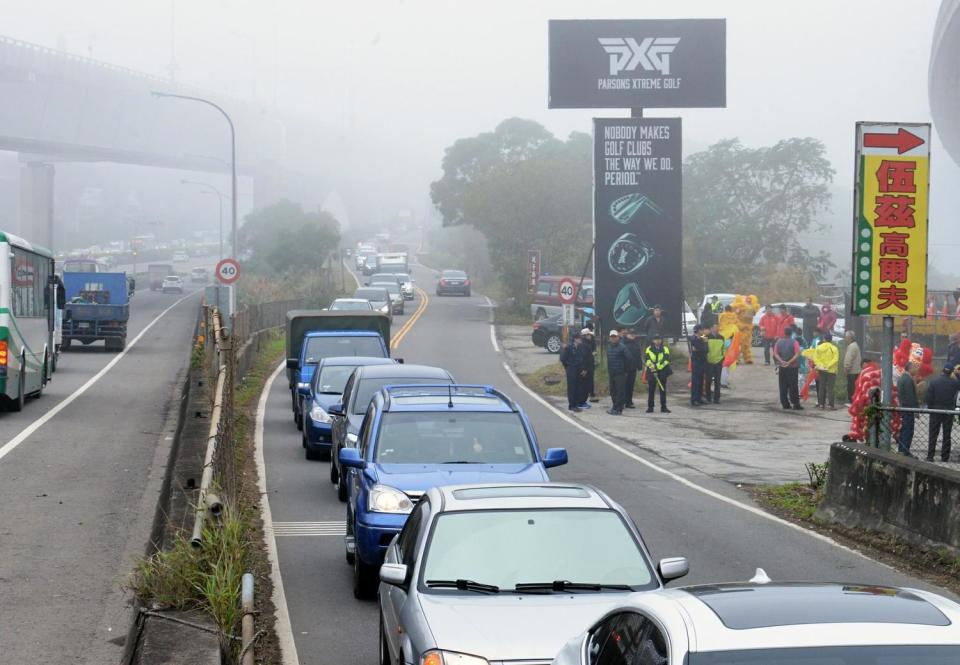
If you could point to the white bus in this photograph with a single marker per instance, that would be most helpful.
(30, 295)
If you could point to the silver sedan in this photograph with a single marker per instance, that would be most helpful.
(762, 623)
(494, 573)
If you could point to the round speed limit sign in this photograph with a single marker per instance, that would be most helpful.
(228, 271)
(567, 291)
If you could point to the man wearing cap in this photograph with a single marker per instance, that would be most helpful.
(658, 369)
(572, 360)
(617, 369)
(589, 365)
(942, 395)
(698, 364)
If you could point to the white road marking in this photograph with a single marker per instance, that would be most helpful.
(338, 528)
(493, 329)
(288, 648)
(10, 445)
(670, 474)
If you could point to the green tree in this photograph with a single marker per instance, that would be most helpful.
(284, 239)
(745, 208)
(523, 189)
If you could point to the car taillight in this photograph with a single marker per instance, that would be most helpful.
(3, 353)
(536, 326)
(443, 282)
(466, 282)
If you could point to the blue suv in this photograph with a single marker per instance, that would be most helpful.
(415, 437)
(326, 390)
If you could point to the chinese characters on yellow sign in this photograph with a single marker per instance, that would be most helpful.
(890, 225)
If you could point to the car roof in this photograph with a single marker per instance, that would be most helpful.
(404, 371)
(445, 397)
(350, 300)
(358, 361)
(502, 496)
(342, 333)
(751, 615)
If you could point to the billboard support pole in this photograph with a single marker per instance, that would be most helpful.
(636, 113)
(886, 379)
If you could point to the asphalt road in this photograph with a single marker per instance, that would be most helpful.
(722, 540)
(78, 490)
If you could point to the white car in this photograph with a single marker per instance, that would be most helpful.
(172, 284)
(794, 309)
(406, 285)
(761, 623)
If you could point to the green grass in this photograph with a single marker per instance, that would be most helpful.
(796, 500)
(208, 578)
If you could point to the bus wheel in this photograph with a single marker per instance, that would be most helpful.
(16, 404)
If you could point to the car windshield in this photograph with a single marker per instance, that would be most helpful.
(367, 387)
(443, 437)
(511, 547)
(348, 305)
(373, 295)
(454, 274)
(842, 655)
(331, 380)
(326, 347)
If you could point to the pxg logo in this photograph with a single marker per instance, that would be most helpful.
(653, 53)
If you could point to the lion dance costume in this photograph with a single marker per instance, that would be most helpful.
(745, 307)
(868, 383)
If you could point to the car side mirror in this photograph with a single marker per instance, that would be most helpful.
(673, 568)
(350, 457)
(335, 410)
(555, 457)
(304, 389)
(293, 363)
(393, 573)
(132, 286)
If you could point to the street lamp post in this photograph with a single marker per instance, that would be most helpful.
(216, 192)
(233, 158)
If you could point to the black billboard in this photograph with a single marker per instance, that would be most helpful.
(637, 213)
(669, 63)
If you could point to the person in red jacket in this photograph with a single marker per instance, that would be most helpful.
(785, 321)
(828, 318)
(769, 326)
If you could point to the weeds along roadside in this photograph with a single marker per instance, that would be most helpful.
(207, 578)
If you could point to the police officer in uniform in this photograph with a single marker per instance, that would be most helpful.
(658, 369)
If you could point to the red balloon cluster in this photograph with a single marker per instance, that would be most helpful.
(867, 384)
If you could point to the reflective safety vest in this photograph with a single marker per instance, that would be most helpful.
(716, 307)
(658, 360)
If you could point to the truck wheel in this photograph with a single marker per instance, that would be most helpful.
(65, 344)
(122, 344)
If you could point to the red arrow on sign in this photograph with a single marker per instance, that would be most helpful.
(902, 141)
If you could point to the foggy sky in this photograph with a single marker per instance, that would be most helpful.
(416, 75)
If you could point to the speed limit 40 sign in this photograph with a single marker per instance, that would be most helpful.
(228, 271)
(567, 291)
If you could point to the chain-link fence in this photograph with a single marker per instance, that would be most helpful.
(923, 433)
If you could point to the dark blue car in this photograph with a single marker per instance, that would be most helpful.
(326, 389)
(420, 436)
(320, 344)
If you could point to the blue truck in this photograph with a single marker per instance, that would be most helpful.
(97, 308)
(316, 334)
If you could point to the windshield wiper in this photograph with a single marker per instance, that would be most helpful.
(460, 461)
(463, 585)
(564, 585)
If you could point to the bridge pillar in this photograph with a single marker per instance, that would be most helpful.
(36, 203)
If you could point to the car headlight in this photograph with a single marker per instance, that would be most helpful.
(303, 385)
(351, 438)
(317, 414)
(385, 309)
(385, 499)
(437, 657)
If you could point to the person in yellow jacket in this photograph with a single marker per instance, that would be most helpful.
(826, 358)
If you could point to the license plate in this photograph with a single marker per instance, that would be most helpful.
(83, 324)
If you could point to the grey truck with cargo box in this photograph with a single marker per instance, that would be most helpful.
(330, 333)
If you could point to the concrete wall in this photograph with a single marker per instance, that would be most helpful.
(878, 490)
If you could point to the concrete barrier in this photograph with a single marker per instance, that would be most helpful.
(878, 490)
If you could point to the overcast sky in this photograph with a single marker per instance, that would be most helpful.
(419, 74)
